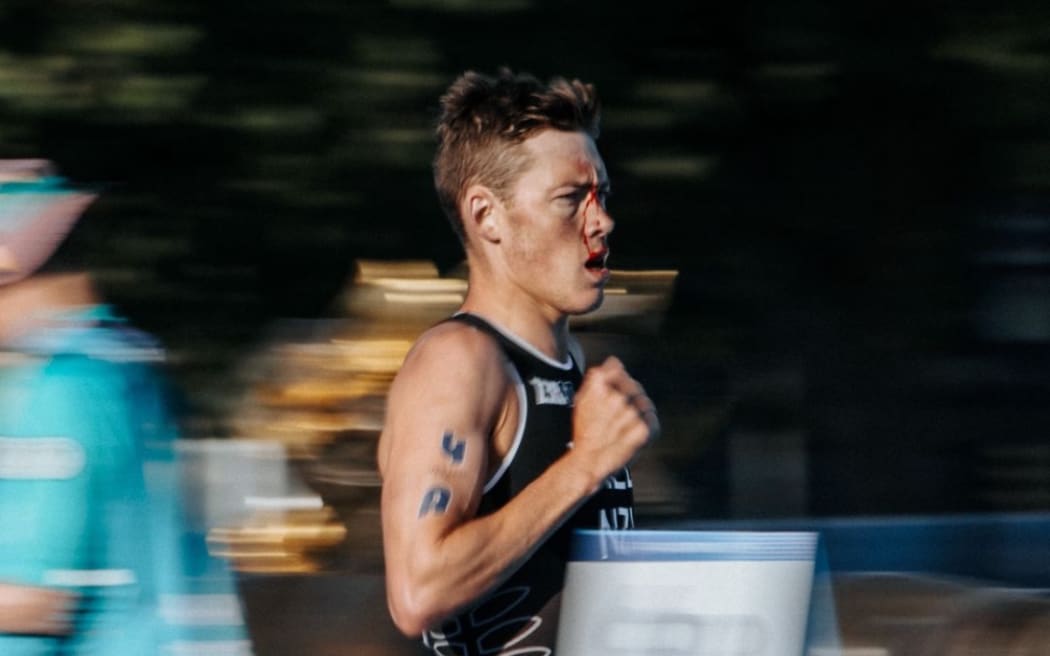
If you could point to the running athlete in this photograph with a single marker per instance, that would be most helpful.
(97, 555)
(497, 444)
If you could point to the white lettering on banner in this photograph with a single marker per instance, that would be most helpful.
(552, 392)
(28, 458)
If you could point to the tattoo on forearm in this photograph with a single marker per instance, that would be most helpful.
(453, 447)
(435, 501)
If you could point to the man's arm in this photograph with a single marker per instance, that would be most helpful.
(442, 409)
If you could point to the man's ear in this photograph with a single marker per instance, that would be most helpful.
(482, 209)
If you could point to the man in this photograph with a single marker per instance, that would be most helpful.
(496, 445)
(93, 555)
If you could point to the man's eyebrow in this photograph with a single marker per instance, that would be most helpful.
(583, 187)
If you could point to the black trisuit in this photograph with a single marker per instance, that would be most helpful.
(520, 616)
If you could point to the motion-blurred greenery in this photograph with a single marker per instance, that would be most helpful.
(818, 171)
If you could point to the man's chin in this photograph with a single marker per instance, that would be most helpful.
(587, 309)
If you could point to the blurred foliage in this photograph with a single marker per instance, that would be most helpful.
(816, 170)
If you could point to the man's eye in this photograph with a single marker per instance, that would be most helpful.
(570, 200)
(573, 201)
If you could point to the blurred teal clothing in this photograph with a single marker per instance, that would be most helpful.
(90, 499)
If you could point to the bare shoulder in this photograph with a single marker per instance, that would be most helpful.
(451, 349)
(454, 375)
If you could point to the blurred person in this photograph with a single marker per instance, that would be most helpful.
(92, 553)
(496, 443)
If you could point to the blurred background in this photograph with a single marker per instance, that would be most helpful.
(832, 263)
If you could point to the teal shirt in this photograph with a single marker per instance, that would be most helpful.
(89, 494)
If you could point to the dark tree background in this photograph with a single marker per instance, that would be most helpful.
(853, 193)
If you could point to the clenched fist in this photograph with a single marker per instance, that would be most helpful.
(613, 418)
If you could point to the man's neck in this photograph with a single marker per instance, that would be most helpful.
(543, 328)
(25, 304)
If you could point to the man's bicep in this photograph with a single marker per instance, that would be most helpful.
(429, 490)
(436, 450)
(433, 475)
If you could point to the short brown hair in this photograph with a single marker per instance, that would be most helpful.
(484, 119)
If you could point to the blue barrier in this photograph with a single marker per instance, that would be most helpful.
(1012, 549)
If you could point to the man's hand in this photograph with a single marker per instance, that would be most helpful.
(35, 611)
(613, 418)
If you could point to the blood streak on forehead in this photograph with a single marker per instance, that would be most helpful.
(590, 202)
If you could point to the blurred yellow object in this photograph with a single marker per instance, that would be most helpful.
(279, 540)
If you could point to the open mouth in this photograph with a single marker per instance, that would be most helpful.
(596, 261)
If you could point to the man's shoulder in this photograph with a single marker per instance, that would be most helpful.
(455, 375)
(450, 356)
(455, 345)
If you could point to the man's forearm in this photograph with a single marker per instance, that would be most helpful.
(478, 555)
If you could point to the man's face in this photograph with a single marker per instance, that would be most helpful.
(558, 224)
